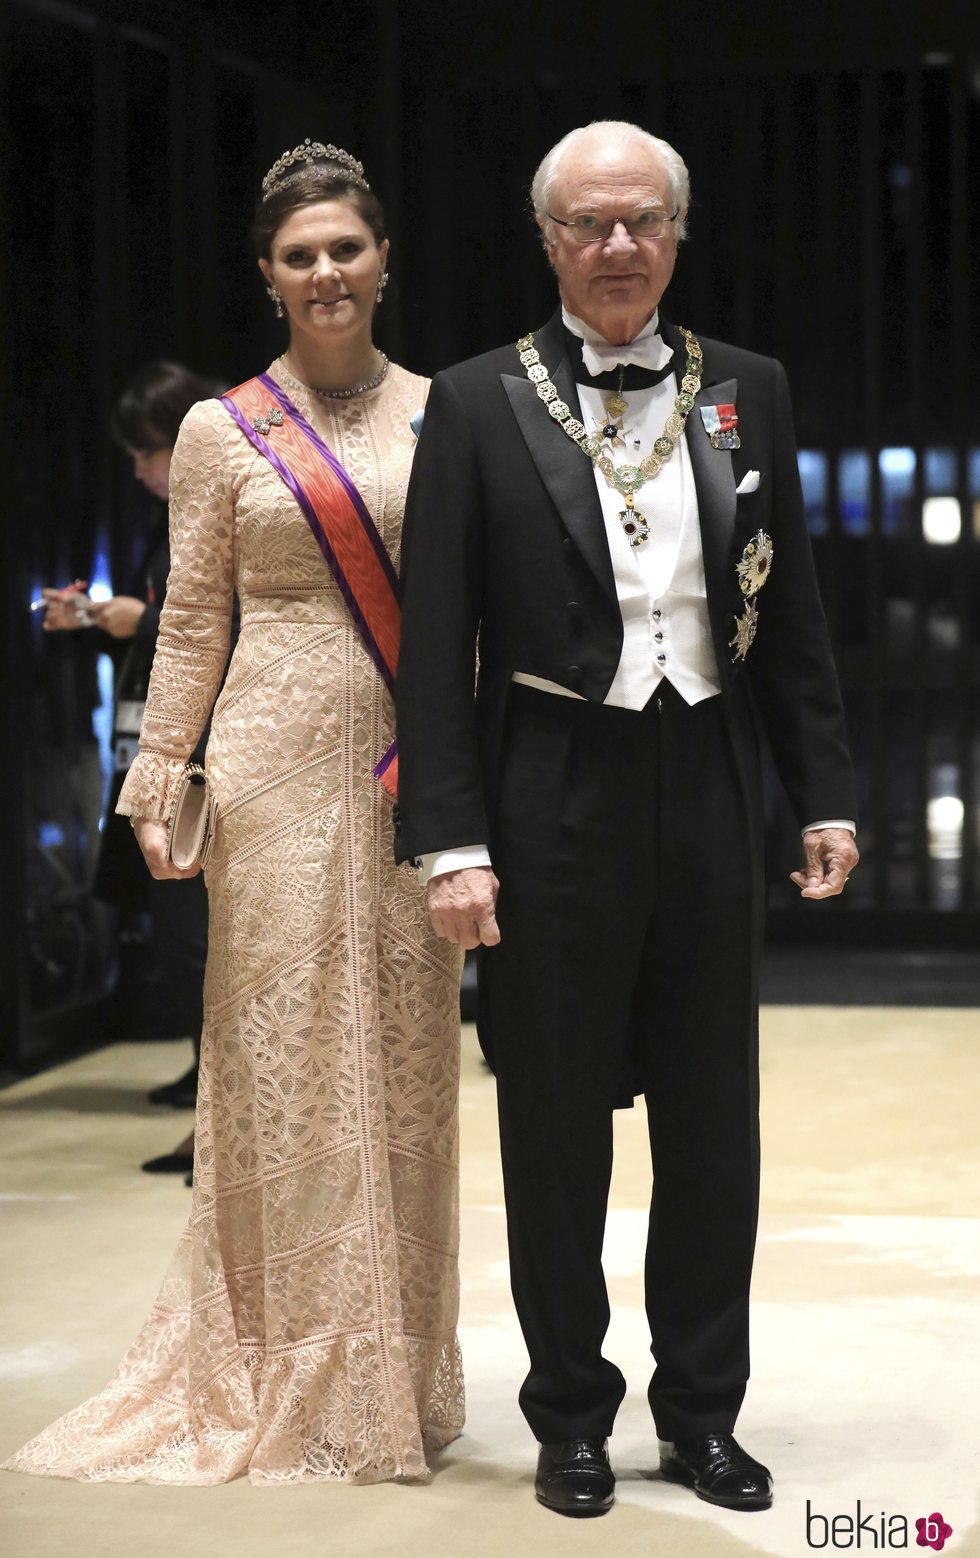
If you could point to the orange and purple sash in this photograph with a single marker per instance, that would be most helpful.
(338, 517)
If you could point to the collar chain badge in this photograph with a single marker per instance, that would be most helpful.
(627, 479)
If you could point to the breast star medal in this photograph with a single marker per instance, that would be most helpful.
(753, 570)
(746, 627)
(756, 561)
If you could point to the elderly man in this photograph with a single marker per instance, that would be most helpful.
(611, 508)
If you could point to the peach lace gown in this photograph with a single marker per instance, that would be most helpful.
(306, 1328)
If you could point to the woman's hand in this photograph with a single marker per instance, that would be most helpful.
(62, 609)
(119, 616)
(151, 836)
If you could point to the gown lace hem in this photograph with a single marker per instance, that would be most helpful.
(309, 1415)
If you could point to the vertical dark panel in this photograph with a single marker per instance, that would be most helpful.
(961, 270)
(205, 298)
(534, 293)
(15, 649)
(384, 153)
(826, 366)
(914, 313)
(109, 238)
(425, 308)
(744, 217)
(59, 337)
(870, 313)
(175, 110)
(785, 237)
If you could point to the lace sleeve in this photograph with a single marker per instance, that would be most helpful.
(192, 646)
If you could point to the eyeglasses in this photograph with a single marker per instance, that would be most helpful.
(588, 228)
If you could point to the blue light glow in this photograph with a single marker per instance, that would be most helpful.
(854, 480)
(940, 472)
(813, 478)
(102, 724)
(897, 466)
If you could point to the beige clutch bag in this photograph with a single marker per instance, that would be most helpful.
(190, 838)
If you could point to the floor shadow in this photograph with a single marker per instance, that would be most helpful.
(94, 1099)
(869, 976)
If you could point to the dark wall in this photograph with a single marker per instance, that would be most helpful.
(833, 225)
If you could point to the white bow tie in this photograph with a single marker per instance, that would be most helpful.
(647, 351)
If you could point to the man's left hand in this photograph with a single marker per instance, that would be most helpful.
(831, 855)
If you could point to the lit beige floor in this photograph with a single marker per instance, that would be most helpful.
(866, 1354)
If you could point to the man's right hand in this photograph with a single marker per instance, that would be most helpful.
(151, 836)
(461, 906)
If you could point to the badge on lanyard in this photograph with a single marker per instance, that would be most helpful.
(721, 424)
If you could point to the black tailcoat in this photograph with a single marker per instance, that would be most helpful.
(504, 540)
(629, 849)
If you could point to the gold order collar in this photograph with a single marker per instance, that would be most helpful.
(627, 479)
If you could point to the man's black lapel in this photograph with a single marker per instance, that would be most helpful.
(564, 469)
(714, 483)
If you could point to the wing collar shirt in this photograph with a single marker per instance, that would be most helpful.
(660, 585)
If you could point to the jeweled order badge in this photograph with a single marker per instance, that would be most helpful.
(721, 424)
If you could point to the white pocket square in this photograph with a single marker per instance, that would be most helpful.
(749, 483)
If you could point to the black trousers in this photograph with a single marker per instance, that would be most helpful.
(179, 917)
(630, 939)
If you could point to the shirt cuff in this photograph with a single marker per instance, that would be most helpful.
(835, 822)
(443, 860)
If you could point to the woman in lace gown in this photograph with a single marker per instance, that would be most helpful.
(306, 1327)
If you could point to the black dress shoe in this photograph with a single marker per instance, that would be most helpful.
(170, 1163)
(181, 1094)
(718, 1470)
(574, 1477)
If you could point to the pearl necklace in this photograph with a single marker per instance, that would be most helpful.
(340, 394)
(358, 389)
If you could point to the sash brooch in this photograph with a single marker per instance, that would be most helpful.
(753, 570)
(268, 420)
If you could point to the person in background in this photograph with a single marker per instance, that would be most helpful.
(145, 422)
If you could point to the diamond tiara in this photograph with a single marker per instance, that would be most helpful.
(313, 152)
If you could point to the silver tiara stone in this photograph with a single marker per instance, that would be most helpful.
(313, 152)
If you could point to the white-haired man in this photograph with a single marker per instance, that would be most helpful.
(612, 507)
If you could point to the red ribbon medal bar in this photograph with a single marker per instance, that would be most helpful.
(338, 517)
(721, 423)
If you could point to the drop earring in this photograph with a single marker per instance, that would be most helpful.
(382, 283)
(275, 298)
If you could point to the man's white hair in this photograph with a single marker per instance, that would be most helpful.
(610, 132)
